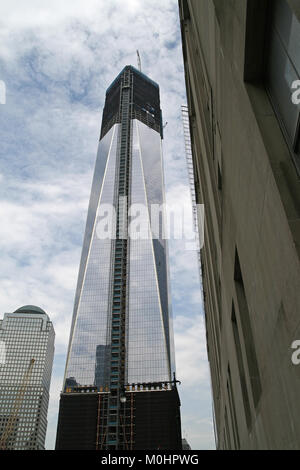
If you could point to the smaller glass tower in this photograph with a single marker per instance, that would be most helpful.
(26, 358)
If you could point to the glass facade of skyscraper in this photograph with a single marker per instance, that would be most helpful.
(27, 349)
(102, 271)
(121, 341)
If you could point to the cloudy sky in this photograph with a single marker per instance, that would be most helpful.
(57, 58)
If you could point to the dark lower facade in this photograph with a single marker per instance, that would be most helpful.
(150, 420)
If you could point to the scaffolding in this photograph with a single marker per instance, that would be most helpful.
(191, 176)
(107, 421)
(118, 411)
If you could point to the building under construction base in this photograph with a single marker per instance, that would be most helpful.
(149, 420)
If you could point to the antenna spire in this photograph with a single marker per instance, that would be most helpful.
(139, 61)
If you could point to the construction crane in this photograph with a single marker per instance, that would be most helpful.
(139, 61)
(10, 425)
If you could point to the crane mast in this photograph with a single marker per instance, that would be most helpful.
(139, 61)
(9, 428)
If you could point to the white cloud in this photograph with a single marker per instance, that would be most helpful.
(191, 356)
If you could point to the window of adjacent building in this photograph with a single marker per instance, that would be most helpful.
(227, 432)
(185, 10)
(220, 184)
(232, 410)
(242, 374)
(283, 72)
(247, 332)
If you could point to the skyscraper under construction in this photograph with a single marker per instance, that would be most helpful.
(119, 388)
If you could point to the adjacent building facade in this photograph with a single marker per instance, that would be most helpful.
(118, 383)
(185, 445)
(242, 66)
(26, 357)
